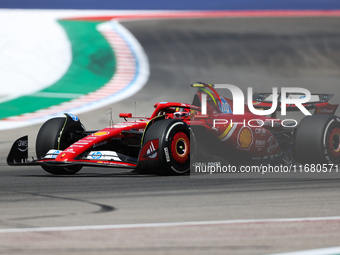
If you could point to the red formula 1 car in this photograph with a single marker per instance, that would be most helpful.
(178, 133)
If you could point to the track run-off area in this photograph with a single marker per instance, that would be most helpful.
(114, 211)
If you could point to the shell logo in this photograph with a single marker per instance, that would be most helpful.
(101, 133)
(245, 138)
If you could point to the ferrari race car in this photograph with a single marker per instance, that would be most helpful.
(178, 134)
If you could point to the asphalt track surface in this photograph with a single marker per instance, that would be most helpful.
(257, 52)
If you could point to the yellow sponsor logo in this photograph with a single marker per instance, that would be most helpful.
(245, 138)
(101, 133)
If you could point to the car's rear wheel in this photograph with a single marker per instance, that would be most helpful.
(317, 139)
(49, 137)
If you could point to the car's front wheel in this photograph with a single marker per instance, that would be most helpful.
(53, 134)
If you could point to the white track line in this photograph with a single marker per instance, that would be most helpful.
(166, 224)
(324, 251)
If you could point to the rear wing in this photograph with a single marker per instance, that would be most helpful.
(319, 102)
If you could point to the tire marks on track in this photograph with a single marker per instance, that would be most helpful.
(101, 208)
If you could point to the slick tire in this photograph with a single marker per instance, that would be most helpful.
(317, 140)
(174, 146)
(48, 139)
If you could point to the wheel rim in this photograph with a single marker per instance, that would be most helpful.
(180, 148)
(334, 142)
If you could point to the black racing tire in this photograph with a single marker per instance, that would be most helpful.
(317, 140)
(48, 139)
(174, 146)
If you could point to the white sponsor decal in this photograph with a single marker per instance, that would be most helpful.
(260, 142)
(22, 145)
(150, 150)
(52, 154)
(103, 155)
(166, 151)
(260, 131)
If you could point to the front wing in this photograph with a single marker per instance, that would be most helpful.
(19, 156)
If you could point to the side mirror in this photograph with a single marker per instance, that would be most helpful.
(125, 115)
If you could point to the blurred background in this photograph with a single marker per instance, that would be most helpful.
(87, 56)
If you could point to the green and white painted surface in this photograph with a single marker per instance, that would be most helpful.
(92, 66)
(75, 65)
